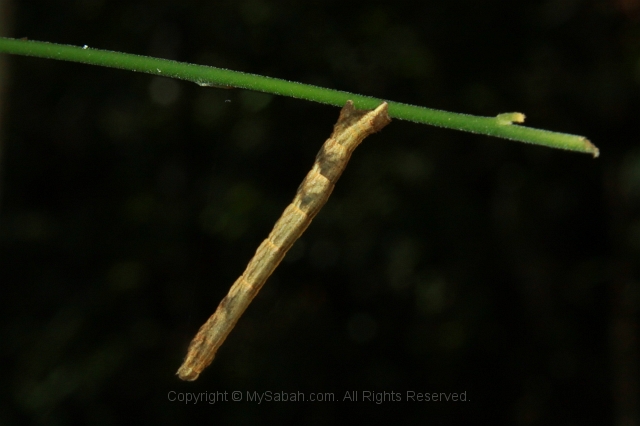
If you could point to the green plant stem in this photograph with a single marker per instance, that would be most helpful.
(205, 75)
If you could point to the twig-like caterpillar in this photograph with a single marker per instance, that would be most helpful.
(352, 127)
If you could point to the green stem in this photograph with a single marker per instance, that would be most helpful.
(204, 75)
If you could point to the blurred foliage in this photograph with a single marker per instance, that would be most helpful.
(443, 262)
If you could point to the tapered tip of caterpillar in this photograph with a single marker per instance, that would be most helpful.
(380, 117)
(187, 374)
(376, 118)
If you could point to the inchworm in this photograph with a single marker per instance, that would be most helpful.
(352, 127)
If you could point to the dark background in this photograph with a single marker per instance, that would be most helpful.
(443, 262)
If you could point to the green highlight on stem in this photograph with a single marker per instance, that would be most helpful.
(500, 126)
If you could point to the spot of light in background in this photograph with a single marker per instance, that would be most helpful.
(126, 276)
(296, 252)
(362, 328)
(254, 101)
(324, 254)
(164, 91)
(452, 336)
(431, 295)
(249, 134)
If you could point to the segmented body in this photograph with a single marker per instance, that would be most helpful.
(352, 127)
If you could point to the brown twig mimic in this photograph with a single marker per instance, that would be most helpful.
(352, 127)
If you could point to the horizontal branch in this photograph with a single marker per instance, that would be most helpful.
(501, 126)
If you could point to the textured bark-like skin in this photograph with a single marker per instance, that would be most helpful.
(352, 127)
